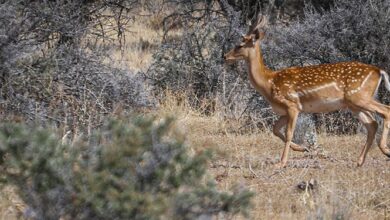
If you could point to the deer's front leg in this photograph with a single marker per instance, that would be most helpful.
(279, 124)
(292, 114)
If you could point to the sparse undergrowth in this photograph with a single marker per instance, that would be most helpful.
(342, 190)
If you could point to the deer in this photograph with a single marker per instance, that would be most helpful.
(314, 89)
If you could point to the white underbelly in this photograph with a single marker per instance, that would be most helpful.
(323, 105)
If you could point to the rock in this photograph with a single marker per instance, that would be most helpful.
(305, 132)
(311, 185)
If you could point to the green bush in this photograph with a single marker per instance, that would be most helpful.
(137, 169)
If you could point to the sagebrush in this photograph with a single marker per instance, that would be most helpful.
(129, 169)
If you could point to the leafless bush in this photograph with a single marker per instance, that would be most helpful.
(278, 10)
(74, 88)
(194, 65)
(54, 63)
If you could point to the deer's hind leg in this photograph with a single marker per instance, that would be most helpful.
(373, 106)
(371, 126)
(384, 110)
(279, 124)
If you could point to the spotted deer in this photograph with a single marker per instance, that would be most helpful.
(314, 89)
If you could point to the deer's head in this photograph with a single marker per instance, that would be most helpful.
(249, 41)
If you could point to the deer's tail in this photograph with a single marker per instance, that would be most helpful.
(385, 77)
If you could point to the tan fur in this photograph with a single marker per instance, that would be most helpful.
(314, 89)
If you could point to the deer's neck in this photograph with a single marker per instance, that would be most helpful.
(259, 74)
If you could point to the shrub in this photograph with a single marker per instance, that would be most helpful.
(35, 161)
(73, 88)
(129, 170)
(55, 64)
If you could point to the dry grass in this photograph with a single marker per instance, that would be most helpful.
(141, 42)
(341, 190)
(142, 39)
(11, 207)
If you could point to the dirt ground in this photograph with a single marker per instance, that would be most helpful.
(322, 184)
